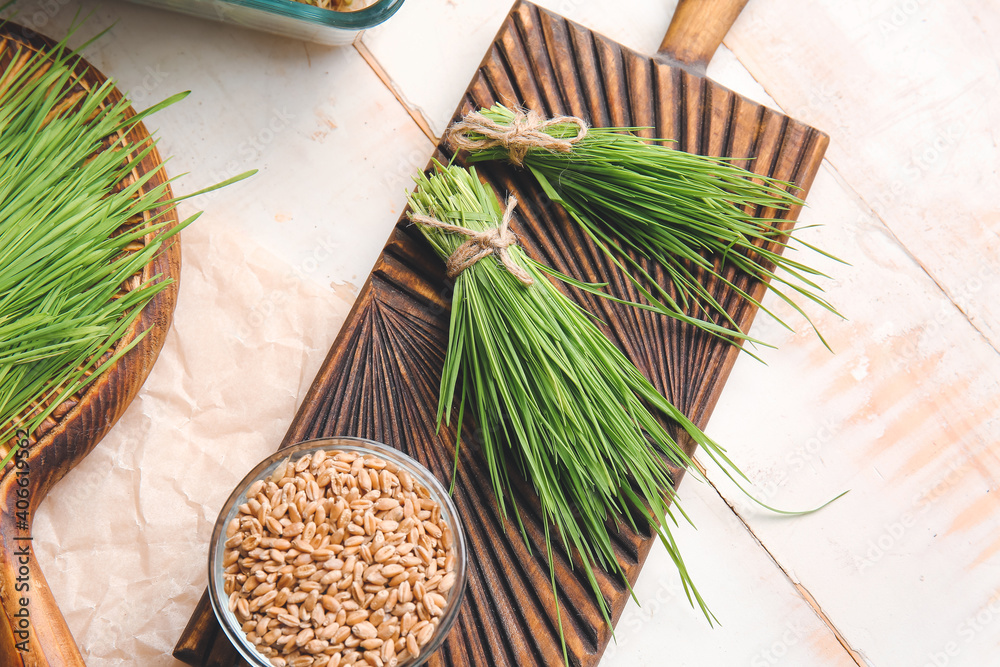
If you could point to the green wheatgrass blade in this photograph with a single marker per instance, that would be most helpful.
(558, 403)
(64, 239)
(680, 210)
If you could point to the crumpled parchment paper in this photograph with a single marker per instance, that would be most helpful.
(123, 538)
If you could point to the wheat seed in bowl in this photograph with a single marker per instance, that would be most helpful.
(339, 558)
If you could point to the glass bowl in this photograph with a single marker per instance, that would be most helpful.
(287, 17)
(216, 575)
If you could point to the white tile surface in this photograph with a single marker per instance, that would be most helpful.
(762, 618)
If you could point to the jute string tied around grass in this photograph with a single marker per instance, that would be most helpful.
(480, 245)
(525, 131)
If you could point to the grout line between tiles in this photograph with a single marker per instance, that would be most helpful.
(844, 183)
(803, 592)
(415, 113)
(811, 601)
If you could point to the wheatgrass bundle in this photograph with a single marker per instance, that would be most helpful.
(683, 211)
(556, 401)
(71, 226)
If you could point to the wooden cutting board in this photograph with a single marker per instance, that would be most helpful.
(381, 377)
(77, 425)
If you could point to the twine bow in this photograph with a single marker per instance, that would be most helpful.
(480, 245)
(525, 131)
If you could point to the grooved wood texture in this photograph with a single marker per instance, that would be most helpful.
(381, 377)
(80, 423)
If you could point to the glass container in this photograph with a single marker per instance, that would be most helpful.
(216, 581)
(287, 17)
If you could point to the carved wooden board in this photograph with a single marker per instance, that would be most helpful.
(381, 377)
(77, 425)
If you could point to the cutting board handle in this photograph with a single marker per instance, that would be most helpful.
(696, 31)
(31, 619)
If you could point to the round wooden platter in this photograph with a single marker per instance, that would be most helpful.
(33, 631)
